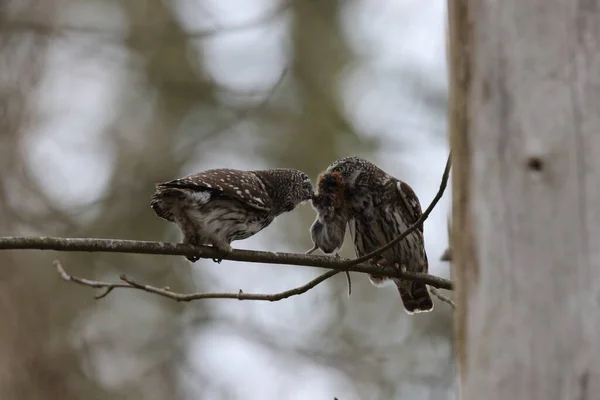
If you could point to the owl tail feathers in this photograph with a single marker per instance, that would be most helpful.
(164, 200)
(415, 297)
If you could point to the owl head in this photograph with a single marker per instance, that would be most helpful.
(330, 191)
(330, 182)
(287, 187)
(353, 170)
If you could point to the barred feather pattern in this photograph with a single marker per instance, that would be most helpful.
(215, 222)
(381, 207)
(372, 233)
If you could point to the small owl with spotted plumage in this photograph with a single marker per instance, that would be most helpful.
(218, 206)
(329, 228)
(379, 208)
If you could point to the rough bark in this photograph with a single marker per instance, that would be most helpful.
(525, 95)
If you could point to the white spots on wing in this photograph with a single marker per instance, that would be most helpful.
(256, 178)
(399, 187)
(236, 188)
(208, 185)
(222, 180)
(258, 200)
(239, 192)
(247, 191)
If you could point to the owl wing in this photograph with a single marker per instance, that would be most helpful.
(238, 185)
(408, 201)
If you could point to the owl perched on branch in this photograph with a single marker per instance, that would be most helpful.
(219, 206)
(329, 228)
(381, 207)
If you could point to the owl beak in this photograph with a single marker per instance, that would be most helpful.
(308, 196)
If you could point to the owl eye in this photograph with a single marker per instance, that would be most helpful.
(337, 169)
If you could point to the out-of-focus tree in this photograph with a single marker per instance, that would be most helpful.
(37, 360)
(524, 123)
(100, 101)
(60, 343)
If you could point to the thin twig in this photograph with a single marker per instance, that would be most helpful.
(166, 292)
(414, 226)
(349, 281)
(447, 256)
(180, 249)
(443, 297)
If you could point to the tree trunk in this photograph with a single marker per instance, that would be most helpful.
(525, 133)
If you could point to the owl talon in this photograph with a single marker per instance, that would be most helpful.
(193, 240)
(400, 267)
(224, 249)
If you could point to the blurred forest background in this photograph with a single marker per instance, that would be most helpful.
(102, 99)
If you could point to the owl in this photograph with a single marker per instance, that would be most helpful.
(218, 206)
(381, 207)
(329, 228)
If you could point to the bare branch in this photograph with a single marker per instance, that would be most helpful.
(162, 248)
(180, 249)
(414, 226)
(349, 281)
(166, 292)
(443, 297)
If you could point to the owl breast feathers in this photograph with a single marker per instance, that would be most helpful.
(381, 207)
(219, 206)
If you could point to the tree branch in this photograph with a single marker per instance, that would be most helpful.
(180, 249)
(443, 297)
(161, 248)
(129, 283)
